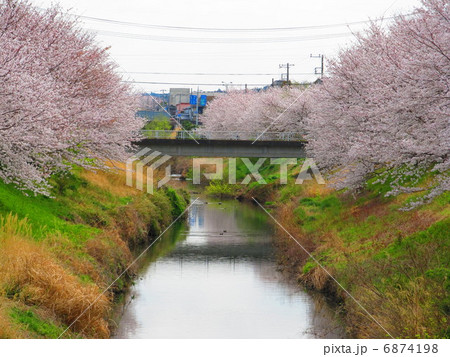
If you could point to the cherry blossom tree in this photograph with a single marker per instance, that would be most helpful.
(279, 109)
(385, 105)
(386, 102)
(61, 101)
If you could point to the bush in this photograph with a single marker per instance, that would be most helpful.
(159, 123)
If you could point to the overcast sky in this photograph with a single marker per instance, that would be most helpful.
(147, 47)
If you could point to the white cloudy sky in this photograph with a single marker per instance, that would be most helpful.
(171, 55)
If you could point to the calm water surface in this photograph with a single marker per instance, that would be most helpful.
(215, 276)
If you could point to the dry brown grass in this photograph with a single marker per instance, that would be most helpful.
(313, 189)
(406, 312)
(30, 274)
(6, 328)
(111, 252)
(113, 181)
(292, 256)
(374, 207)
(132, 221)
(61, 275)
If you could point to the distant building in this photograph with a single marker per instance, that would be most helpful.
(318, 81)
(172, 109)
(182, 106)
(179, 95)
(280, 83)
(212, 94)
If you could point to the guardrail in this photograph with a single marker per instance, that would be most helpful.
(222, 135)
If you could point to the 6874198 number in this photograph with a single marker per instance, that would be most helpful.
(411, 348)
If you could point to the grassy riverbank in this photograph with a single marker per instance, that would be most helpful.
(395, 263)
(57, 255)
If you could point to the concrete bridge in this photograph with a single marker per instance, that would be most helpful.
(225, 143)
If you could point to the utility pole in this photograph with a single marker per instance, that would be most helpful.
(164, 97)
(287, 65)
(196, 119)
(321, 65)
(227, 84)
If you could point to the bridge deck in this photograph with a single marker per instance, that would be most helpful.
(222, 135)
(226, 148)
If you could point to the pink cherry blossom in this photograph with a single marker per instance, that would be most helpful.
(61, 101)
(384, 105)
(386, 102)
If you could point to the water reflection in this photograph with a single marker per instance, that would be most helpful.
(215, 277)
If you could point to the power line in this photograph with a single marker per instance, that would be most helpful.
(220, 39)
(216, 74)
(247, 52)
(197, 84)
(217, 29)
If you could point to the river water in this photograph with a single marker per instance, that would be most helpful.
(215, 276)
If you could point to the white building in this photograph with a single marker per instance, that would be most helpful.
(179, 95)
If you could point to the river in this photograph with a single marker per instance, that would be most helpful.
(215, 276)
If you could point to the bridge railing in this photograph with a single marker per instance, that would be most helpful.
(222, 135)
(159, 134)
